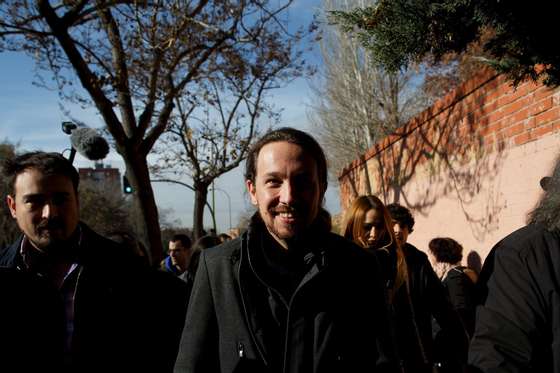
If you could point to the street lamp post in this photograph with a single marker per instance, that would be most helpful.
(229, 201)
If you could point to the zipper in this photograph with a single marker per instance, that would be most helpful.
(287, 333)
(287, 304)
(251, 333)
(75, 305)
(240, 350)
(286, 336)
(298, 289)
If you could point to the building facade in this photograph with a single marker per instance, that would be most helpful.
(101, 176)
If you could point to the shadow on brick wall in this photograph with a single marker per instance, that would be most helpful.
(444, 143)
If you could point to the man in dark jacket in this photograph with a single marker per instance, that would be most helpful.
(97, 307)
(288, 295)
(518, 323)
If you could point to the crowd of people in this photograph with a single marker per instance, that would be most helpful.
(287, 295)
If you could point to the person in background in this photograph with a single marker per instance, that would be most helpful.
(224, 237)
(458, 280)
(474, 262)
(179, 255)
(234, 233)
(517, 325)
(287, 295)
(100, 300)
(179, 260)
(203, 243)
(135, 246)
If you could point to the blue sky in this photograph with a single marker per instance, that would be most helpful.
(31, 116)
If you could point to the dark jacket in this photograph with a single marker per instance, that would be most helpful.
(428, 299)
(461, 290)
(32, 329)
(166, 265)
(127, 317)
(334, 322)
(518, 325)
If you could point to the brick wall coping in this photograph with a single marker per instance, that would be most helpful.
(482, 78)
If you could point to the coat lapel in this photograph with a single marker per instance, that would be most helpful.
(253, 297)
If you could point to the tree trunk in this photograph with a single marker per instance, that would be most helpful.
(367, 178)
(139, 177)
(200, 195)
(397, 193)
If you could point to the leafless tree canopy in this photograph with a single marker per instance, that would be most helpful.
(211, 131)
(137, 60)
(357, 103)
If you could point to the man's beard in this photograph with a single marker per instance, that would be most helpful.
(299, 215)
(53, 245)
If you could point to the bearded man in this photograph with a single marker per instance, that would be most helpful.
(288, 295)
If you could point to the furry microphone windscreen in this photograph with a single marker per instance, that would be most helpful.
(89, 143)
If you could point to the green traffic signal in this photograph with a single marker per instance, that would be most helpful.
(127, 188)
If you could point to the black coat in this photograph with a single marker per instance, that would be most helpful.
(461, 290)
(127, 317)
(518, 325)
(336, 319)
(32, 324)
(414, 324)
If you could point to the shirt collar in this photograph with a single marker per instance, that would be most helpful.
(31, 256)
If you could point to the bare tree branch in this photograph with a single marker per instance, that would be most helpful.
(147, 66)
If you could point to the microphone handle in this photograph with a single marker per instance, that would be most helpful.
(72, 155)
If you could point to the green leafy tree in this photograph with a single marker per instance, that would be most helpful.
(403, 32)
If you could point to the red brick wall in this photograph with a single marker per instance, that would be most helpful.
(463, 141)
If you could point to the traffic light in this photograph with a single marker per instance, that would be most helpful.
(127, 188)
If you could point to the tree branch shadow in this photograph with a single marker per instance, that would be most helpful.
(446, 145)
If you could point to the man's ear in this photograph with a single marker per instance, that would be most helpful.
(11, 201)
(252, 191)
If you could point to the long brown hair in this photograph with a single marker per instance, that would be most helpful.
(354, 231)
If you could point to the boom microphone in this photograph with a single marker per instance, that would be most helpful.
(89, 143)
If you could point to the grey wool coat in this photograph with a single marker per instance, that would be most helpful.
(336, 320)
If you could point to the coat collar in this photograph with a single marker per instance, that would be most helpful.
(9, 256)
(90, 245)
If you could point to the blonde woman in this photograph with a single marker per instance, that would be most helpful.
(414, 292)
(369, 224)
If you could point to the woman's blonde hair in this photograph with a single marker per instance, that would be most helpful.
(354, 231)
